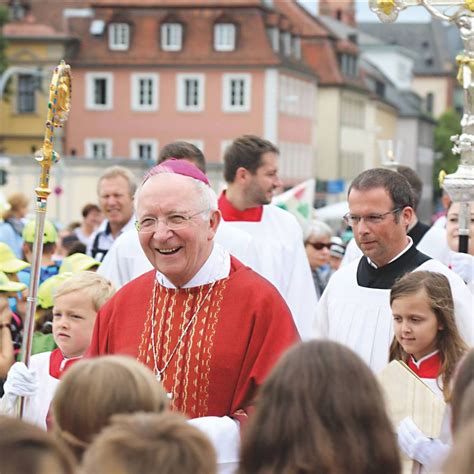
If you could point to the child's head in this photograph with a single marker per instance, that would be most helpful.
(76, 303)
(321, 408)
(93, 390)
(150, 443)
(423, 313)
(25, 448)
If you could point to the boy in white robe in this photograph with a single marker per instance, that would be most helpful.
(76, 305)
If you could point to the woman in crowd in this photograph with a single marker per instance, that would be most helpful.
(461, 263)
(317, 247)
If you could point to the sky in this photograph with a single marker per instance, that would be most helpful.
(412, 14)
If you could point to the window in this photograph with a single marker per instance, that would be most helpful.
(274, 36)
(430, 102)
(171, 36)
(145, 89)
(224, 37)
(297, 47)
(99, 91)
(26, 100)
(236, 89)
(190, 92)
(119, 36)
(144, 149)
(98, 148)
(287, 44)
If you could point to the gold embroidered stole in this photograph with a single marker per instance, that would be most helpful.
(187, 374)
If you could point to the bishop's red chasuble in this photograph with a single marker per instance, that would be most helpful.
(242, 326)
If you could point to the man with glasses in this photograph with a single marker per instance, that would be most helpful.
(354, 309)
(126, 260)
(209, 327)
(429, 240)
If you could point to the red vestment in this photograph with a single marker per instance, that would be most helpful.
(241, 329)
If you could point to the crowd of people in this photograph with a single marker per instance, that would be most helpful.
(178, 331)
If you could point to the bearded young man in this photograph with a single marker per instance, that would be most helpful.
(251, 173)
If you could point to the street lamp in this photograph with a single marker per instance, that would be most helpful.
(459, 185)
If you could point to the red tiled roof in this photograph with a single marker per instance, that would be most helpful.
(321, 58)
(177, 3)
(306, 24)
(253, 46)
(29, 28)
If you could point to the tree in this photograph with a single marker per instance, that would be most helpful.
(448, 125)
(3, 43)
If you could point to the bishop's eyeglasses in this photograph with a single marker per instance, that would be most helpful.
(173, 222)
(370, 219)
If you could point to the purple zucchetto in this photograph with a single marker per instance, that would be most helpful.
(177, 166)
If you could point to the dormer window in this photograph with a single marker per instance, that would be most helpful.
(119, 36)
(171, 36)
(224, 37)
(274, 36)
(297, 47)
(287, 44)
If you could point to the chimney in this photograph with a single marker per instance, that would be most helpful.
(341, 10)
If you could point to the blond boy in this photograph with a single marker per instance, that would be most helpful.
(76, 304)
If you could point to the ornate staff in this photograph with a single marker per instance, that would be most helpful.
(459, 185)
(58, 110)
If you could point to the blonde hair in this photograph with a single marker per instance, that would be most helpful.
(93, 390)
(16, 201)
(119, 171)
(440, 299)
(95, 286)
(150, 443)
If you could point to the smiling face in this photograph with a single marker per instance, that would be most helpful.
(73, 321)
(178, 254)
(115, 200)
(415, 324)
(261, 185)
(383, 241)
(452, 228)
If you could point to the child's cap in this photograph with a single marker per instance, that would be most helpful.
(338, 249)
(50, 233)
(10, 286)
(47, 289)
(78, 262)
(8, 262)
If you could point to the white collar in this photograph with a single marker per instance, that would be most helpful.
(410, 243)
(426, 357)
(216, 267)
(104, 225)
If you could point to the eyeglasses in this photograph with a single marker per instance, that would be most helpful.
(371, 219)
(173, 222)
(319, 245)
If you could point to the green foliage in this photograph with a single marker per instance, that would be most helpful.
(3, 43)
(448, 125)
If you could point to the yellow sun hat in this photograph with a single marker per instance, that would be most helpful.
(50, 233)
(78, 262)
(10, 286)
(47, 289)
(8, 261)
